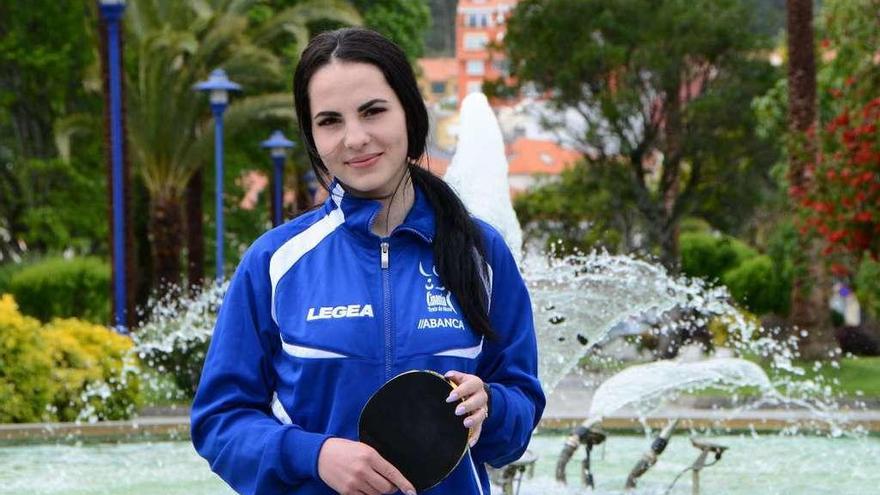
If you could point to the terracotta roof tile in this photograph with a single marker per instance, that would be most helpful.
(533, 156)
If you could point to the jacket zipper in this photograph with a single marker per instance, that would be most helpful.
(386, 292)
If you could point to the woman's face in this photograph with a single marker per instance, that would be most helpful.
(359, 127)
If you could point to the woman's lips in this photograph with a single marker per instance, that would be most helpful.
(364, 161)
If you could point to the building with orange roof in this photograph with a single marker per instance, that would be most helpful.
(438, 80)
(529, 158)
(479, 23)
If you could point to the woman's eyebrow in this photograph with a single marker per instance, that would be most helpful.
(370, 103)
(364, 106)
(325, 113)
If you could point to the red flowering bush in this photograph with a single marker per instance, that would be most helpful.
(840, 200)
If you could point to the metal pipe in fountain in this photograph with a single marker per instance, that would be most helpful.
(650, 457)
(706, 448)
(587, 434)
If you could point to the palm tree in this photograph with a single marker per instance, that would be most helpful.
(176, 44)
(808, 308)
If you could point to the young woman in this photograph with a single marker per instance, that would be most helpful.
(390, 275)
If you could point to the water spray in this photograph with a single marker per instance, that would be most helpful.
(589, 435)
(650, 457)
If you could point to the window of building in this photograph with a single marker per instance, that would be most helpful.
(475, 41)
(477, 20)
(438, 87)
(475, 68)
(474, 87)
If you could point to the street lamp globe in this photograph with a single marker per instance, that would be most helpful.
(277, 145)
(218, 86)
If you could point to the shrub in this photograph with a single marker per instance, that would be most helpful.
(66, 370)
(96, 373)
(758, 285)
(7, 270)
(26, 385)
(708, 255)
(867, 282)
(60, 288)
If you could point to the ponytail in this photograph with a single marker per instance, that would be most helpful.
(459, 253)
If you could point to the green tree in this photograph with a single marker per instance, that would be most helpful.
(589, 207)
(45, 47)
(403, 21)
(664, 89)
(175, 44)
(47, 58)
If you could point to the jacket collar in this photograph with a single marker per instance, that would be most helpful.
(359, 214)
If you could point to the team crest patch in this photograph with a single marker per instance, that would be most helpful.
(436, 296)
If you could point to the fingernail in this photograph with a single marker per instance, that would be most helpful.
(452, 397)
(472, 442)
(468, 423)
(449, 374)
(459, 410)
(411, 492)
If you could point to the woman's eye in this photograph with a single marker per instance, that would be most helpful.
(327, 121)
(373, 111)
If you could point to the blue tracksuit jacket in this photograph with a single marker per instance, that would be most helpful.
(317, 318)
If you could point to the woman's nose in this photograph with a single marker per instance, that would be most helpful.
(356, 137)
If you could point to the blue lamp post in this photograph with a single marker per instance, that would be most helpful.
(311, 184)
(278, 146)
(111, 11)
(219, 86)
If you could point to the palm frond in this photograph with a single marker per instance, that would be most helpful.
(70, 125)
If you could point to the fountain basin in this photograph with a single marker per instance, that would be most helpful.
(754, 464)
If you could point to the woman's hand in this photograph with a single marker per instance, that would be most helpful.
(355, 468)
(470, 388)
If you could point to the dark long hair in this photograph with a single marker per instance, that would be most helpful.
(458, 245)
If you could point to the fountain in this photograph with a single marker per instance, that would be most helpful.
(578, 301)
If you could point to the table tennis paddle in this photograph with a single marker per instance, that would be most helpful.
(410, 424)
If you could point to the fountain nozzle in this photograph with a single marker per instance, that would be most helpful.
(587, 434)
(650, 457)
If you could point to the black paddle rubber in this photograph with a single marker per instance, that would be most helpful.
(410, 424)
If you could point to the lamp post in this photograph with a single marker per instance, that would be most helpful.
(219, 86)
(111, 11)
(311, 184)
(278, 146)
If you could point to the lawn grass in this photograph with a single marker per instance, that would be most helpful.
(856, 374)
(859, 377)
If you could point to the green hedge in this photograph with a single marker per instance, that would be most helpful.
(760, 283)
(61, 288)
(708, 255)
(867, 282)
(7, 270)
(759, 286)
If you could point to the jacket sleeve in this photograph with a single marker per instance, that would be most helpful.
(509, 365)
(232, 424)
